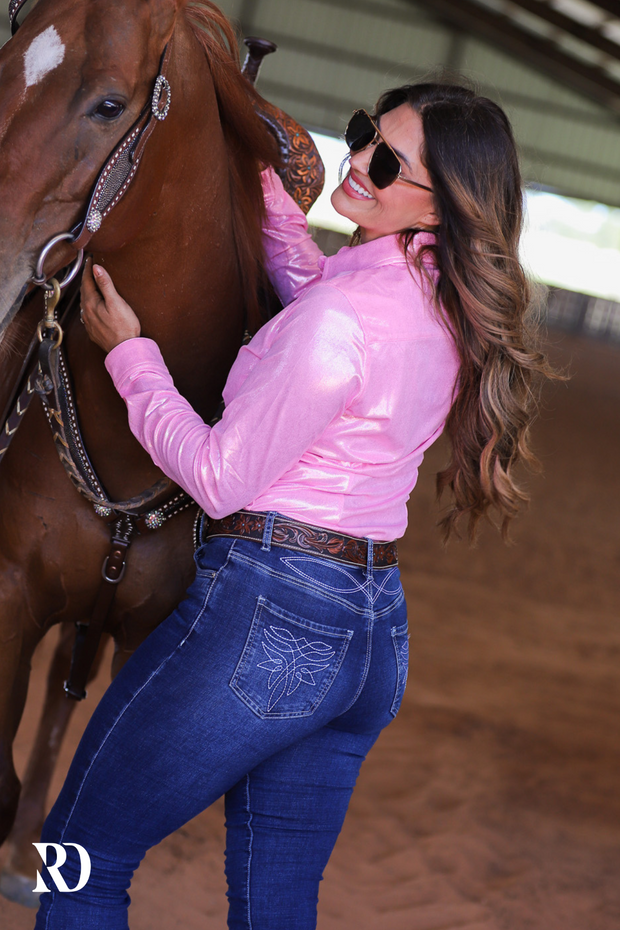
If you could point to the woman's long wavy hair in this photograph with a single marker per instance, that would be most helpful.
(481, 293)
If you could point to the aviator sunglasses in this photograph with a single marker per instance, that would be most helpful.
(384, 167)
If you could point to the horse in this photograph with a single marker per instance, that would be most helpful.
(182, 243)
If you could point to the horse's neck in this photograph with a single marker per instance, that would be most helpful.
(179, 272)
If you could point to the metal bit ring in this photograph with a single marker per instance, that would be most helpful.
(39, 276)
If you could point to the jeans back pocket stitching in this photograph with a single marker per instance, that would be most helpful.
(402, 665)
(290, 658)
(251, 643)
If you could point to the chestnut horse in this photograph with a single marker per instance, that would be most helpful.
(183, 247)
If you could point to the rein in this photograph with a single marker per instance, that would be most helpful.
(48, 376)
(147, 511)
(112, 183)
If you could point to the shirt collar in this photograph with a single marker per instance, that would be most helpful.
(386, 250)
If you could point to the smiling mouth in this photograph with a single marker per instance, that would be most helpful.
(358, 188)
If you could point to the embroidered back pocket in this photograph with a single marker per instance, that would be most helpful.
(288, 663)
(400, 640)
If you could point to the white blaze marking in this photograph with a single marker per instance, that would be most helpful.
(45, 53)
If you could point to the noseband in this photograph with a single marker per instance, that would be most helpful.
(117, 173)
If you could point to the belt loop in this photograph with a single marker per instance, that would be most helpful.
(370, 556)
(267, 532)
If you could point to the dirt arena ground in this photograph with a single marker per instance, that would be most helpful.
(493, 801)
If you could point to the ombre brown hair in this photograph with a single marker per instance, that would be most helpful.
(481, 293)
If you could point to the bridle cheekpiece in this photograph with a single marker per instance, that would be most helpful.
(117, 173)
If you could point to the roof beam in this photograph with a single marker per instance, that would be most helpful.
(567, 24)
(335, 53)
(610, 6)
(502, 31)
(386, 66)
(308, 96)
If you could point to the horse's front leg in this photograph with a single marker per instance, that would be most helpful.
(19, 873)
(14, 674)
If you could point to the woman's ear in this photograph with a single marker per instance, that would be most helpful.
(430, 220)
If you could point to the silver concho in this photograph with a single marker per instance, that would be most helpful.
(94, 221)
(154, 520)
(102, 511)
(162, 86)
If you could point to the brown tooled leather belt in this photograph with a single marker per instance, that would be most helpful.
(290, 534)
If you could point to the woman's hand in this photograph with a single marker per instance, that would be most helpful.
(108, 319)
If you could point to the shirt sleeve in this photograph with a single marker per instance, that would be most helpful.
(294, 260)
(310, 373)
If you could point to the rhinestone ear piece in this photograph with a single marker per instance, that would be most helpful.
(162, 87)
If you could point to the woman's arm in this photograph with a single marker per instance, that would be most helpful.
(309, 368)
(294, 261)
(309, 375)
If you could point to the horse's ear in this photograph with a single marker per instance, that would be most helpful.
(164, 15)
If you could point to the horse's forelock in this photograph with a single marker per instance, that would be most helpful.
(250, 144)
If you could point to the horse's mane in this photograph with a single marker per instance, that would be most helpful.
(250, 145)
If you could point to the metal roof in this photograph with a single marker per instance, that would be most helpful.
(575, 41)
(553, 64)
(335, 55)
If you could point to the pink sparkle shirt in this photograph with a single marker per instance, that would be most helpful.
(329, 408)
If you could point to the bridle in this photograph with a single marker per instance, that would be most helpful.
(116, 175)
(49, 376)
(14, 8)
(50, 379)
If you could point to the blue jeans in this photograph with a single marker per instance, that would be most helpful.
(269, 684)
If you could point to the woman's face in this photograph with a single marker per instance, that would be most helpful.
(399, 206)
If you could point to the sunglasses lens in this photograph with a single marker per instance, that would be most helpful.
(384, 166)
(360, 131)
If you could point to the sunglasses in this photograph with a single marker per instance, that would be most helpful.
(384, 167)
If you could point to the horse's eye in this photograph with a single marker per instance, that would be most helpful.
(109, 109)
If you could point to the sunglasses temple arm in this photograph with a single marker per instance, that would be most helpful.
(341, 171)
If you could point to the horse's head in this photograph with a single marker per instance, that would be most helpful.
(73, 80)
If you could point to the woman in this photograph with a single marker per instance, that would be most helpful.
(273, 679)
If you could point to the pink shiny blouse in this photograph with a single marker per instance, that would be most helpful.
(330, 407)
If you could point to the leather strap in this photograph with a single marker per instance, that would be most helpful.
(27, 384)
(302, 537)
(121, 166)
(14, 8)
(88, 635)
(14, 419)
(57, 397)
